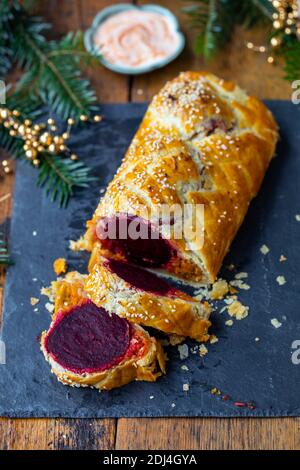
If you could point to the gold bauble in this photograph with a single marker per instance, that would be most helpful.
(275, 42)
(31, 153)
(4, 113)
(21, 129)
(46, 138)
(52, 148)
(58, 139)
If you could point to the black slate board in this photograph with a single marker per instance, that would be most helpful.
(237, 365)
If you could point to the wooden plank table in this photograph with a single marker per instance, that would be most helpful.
(257, 77)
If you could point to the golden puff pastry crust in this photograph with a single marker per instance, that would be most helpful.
(160, 306)
(203, 141)
(146, 363)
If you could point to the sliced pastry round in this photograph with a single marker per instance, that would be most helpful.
(88, 346)
(142, 297)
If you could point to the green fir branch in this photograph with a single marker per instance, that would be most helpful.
(47, 77)
(51, 77)
(291, 54)
(57, 173)
(5, 259)
(60, 175)
(214, 21)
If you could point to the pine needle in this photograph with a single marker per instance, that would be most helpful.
(59, 176)
(291, 53)
(4, 255)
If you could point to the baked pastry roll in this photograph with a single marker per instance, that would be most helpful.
(89, 346)
(144, 298)
(204, 143)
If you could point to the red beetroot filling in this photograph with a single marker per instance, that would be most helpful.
(136, 239)
(213, 124)
(88, 339)
(140, 278)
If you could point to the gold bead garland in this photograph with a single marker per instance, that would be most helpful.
(38, 138)
(285, 21)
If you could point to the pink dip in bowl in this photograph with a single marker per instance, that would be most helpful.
(135, 38)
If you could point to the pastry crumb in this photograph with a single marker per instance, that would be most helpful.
(232, 290)
(230, 299)
(297, 217)
(49, 307)
(203, 350)
(281, 280)
(219, 289)
(183, 351)
(257, 339)
(276, 323)
(215, 391)
(241, 275)
(185, 387)
(60, 266)
(213, 339)
(34, 300)
(176, 339)
(173, 405)
(200, 293)
(230, 267)
(151, 397)
(238, 310)
(240, 284)
(229, 323)
(264, 249)
(48, 292)
(282, 258)
(184, 367)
